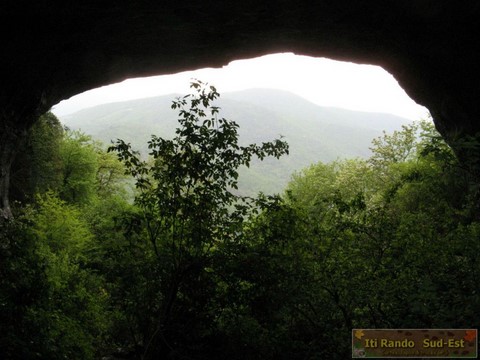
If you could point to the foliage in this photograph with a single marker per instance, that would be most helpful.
(61, 311)
(53, 303)
(389, 253)
(188, 207)
(313, 132)
(191, 269)
(79, 168)
(38, 166)
(23, 286)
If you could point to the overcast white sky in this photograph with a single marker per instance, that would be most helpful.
(322, 81)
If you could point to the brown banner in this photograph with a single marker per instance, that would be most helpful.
(414, 343)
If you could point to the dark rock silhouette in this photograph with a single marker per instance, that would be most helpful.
(52, 50)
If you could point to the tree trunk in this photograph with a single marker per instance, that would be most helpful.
(12, 136)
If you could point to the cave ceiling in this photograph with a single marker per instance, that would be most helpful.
(53, 50)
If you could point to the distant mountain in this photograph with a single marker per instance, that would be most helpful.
(314, 133)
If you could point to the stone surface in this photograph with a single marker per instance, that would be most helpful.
(52, 50)
(55, 49)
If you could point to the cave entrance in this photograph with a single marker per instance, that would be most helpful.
(322, 81)
(326, 110)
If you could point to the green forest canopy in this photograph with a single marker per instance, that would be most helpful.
(191, 270)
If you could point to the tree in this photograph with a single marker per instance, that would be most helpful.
(187, 204)
(390, 235)
(53, 306)
(79, 168)
(74, 319)
(38, 166)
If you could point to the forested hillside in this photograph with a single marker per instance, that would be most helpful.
(314, 133)
(190, 269)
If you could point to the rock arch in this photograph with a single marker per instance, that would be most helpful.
(52, 50)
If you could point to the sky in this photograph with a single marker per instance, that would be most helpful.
(322, 81)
